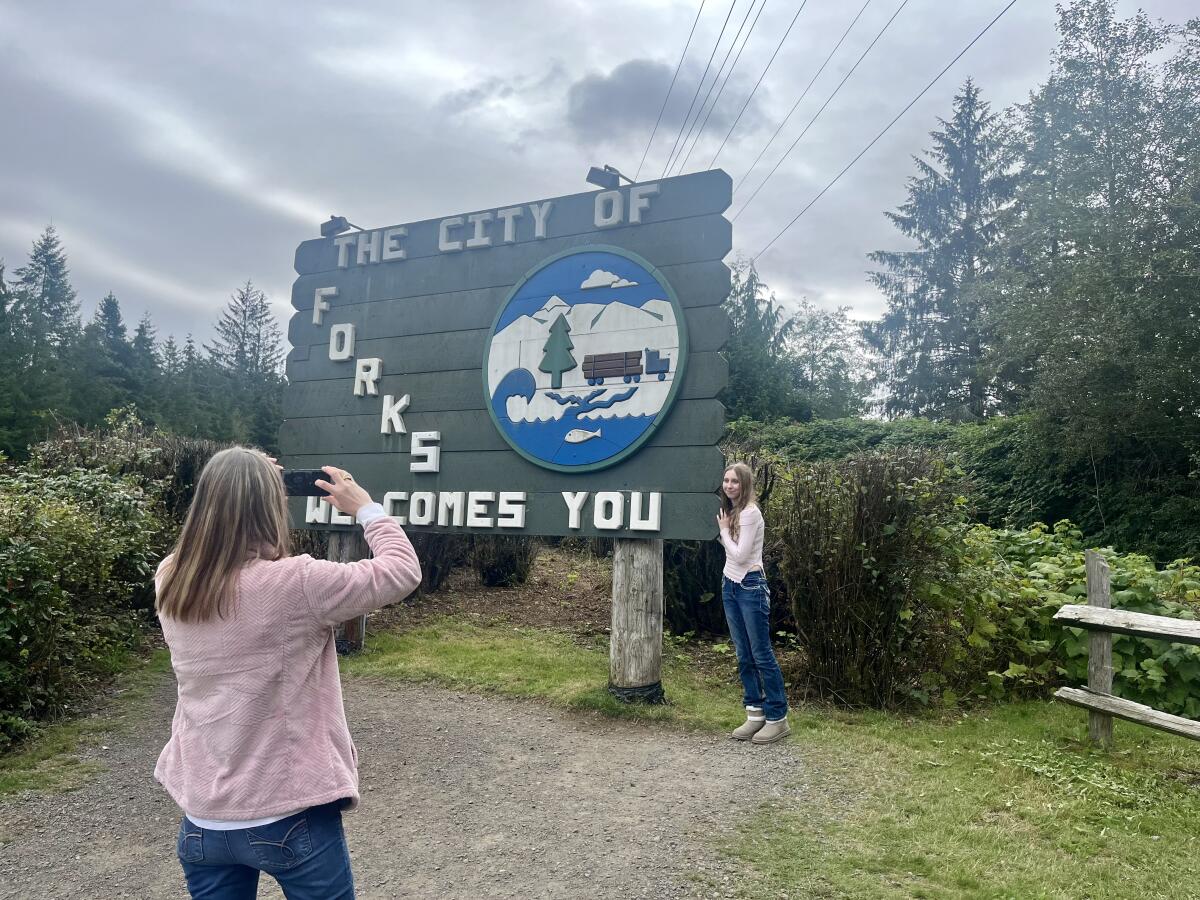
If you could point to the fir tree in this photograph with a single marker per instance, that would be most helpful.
(248, 347)
(933, 339)
(557, 356)
(13, 400)
(46, 309)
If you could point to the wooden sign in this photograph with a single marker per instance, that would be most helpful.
(546, 368)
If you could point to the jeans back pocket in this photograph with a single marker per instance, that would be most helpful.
(189, 846)
(281, 844)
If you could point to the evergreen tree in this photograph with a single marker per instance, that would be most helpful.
(248, 355)
(103, 379)
(46, 309)
(13, 400)
(933, 339)
(45, 314)
(1098, 298)
(146, 370)
(248, 347)
(557, 356)
(761, 383)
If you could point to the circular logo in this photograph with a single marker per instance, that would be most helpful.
(585, 359)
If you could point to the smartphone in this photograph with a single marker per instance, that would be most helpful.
(302, 482)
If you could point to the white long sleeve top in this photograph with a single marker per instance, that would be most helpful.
(745, 554)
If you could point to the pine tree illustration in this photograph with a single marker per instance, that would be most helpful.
(558, 358)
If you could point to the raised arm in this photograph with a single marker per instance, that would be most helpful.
(336, 591)
(339, 591)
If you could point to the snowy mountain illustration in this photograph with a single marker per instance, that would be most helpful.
(595, 328)
(583, 360)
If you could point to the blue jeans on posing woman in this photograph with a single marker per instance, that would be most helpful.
(306, 853)
(748, 612)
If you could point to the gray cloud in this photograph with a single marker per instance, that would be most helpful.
(184, 154)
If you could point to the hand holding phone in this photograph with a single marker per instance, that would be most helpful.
(346, 495)
(303, 482)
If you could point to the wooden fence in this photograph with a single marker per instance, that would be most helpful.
(1102, 621)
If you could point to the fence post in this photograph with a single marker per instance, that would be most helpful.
(1100, 671)
(349, 546)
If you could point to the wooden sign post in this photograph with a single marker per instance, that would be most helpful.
(635, 643)
(546, 368)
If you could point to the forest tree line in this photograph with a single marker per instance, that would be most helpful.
(58, 369)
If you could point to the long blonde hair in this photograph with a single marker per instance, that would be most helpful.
(240, 510)
(745, 477)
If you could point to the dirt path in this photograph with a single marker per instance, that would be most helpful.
(463, 796)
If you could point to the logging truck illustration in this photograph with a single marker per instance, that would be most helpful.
(626, 365)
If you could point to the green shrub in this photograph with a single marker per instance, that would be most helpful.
(166, 463)
(1041, 569)
(502, 560)
(858, 537)
(77, 551)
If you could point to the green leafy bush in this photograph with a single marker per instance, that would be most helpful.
(76, 553)
(166, 463)
(1035, 572)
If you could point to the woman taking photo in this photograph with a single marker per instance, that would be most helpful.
(260, 758)
(748, 609)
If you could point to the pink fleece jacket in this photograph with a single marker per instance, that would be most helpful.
(259, 727)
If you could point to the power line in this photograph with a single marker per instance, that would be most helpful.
(717, 77)
(754, 90)
(817, 115)
(707, 66)
(724, 84)
(886, 129)
(671, 88)
(804, 94)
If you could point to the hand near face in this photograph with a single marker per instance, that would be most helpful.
(723, 520)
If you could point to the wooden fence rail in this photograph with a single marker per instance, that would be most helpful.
(1097, 698)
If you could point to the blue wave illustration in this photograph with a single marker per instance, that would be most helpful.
(546, 439)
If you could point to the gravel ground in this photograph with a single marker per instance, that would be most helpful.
(463, 796)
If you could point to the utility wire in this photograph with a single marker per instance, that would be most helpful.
(713, 84)
(885, 130)
(817, 114)
(804, 94)
(671, 88)
(707, 66)
(724, 84)
(754, 90)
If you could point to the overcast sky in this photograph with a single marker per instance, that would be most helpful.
(181, 149)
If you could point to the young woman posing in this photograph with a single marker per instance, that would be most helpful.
(260, 758)
(748, 609)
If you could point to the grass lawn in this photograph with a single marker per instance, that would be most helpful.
(997, 802)
(48, 760)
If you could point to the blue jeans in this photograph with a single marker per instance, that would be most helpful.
(748, 613)
(306, 853)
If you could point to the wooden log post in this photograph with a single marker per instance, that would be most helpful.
(1100, 670)
(635, 645)
(349, 546)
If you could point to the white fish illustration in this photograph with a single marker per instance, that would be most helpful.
(578, 435)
